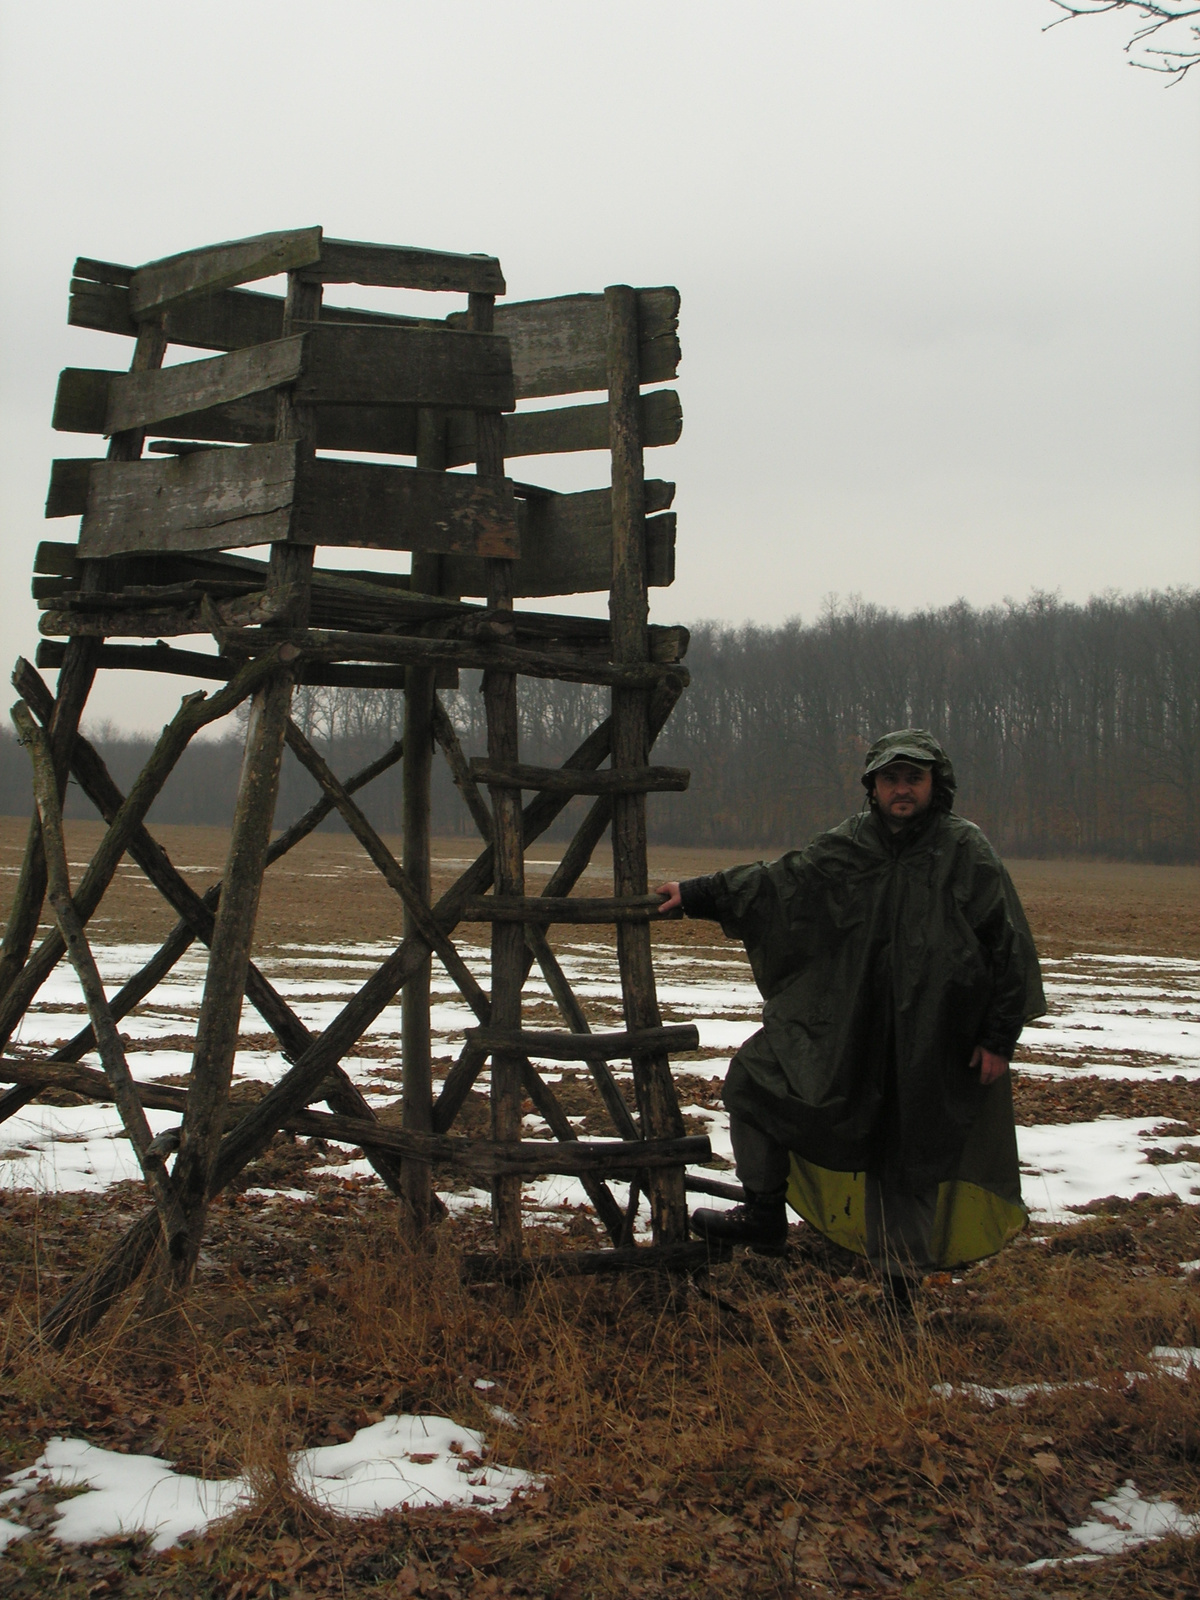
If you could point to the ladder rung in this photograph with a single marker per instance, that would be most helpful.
(588, 1046)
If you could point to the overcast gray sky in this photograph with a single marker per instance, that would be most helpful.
(940, 323)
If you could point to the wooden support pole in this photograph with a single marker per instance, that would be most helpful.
(571, 666)
(112, 1052)
(196, 711)
(587, 1046)
(640, 780)
(416, 1034)
(503, 908)
(197, 911)
(508, 942)
(444, 733)
(225, 982)
(95, 782)
(74, 685)
(629, 616)
(85, 1302)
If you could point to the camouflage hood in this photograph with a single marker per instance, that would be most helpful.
(912, 744)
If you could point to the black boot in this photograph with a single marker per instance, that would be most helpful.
(760, 1222)
(898, 1295)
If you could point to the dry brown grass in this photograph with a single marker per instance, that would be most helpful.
(768, 1432)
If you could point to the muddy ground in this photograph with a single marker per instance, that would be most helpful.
(327, 889)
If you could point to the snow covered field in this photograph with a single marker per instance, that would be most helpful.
(1112, 1019)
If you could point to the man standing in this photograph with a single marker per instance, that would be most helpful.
(897, 969)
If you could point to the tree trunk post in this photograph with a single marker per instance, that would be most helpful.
(254, 812)
(629, 614)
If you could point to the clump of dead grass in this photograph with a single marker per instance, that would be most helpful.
(769, 1430)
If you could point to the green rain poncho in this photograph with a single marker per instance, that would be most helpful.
(884, 959)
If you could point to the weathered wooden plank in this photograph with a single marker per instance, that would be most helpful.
(267, 493)
(55, 556)
(567, 428)
(379, 430)
(161, 284)
(559, 345)
(193, 664)
(389, 266)
(406, 366)
(557, 908)
(373, 506)
(228, 320)
(81, 399)
(53, 588)
(392, 429)
(566, 545)
(210, 500)
(587, 1046)
(68, 491)
(102, 306)
(141, 399)
(639, 780)
(102, 271)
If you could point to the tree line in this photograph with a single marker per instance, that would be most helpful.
(1074, 729)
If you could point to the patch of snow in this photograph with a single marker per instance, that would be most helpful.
(1070, 1164)
(1016, 1394)
(278, 1194)
(399, 1461)
(10, 1531)
(1126, 1520)
(71, 1148)
(128, 1494)
(1176, 1361)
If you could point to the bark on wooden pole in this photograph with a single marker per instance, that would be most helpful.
(416, 1038)
(195, 712)
(225, 981)
(508, 942)
(629, 616)
(112, 1052)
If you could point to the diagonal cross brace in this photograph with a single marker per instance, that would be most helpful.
(391, 869)
(112, 1053)
(86, 1301)
(196, 711)
(197, 912)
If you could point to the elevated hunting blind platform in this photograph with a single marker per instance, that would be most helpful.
(231, 451)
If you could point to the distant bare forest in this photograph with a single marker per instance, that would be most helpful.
(1075, 730)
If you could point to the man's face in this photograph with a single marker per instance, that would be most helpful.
(903, 790)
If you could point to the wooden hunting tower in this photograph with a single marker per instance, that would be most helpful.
(240, 458)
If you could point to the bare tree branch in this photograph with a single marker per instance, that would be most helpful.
(1175, 56)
